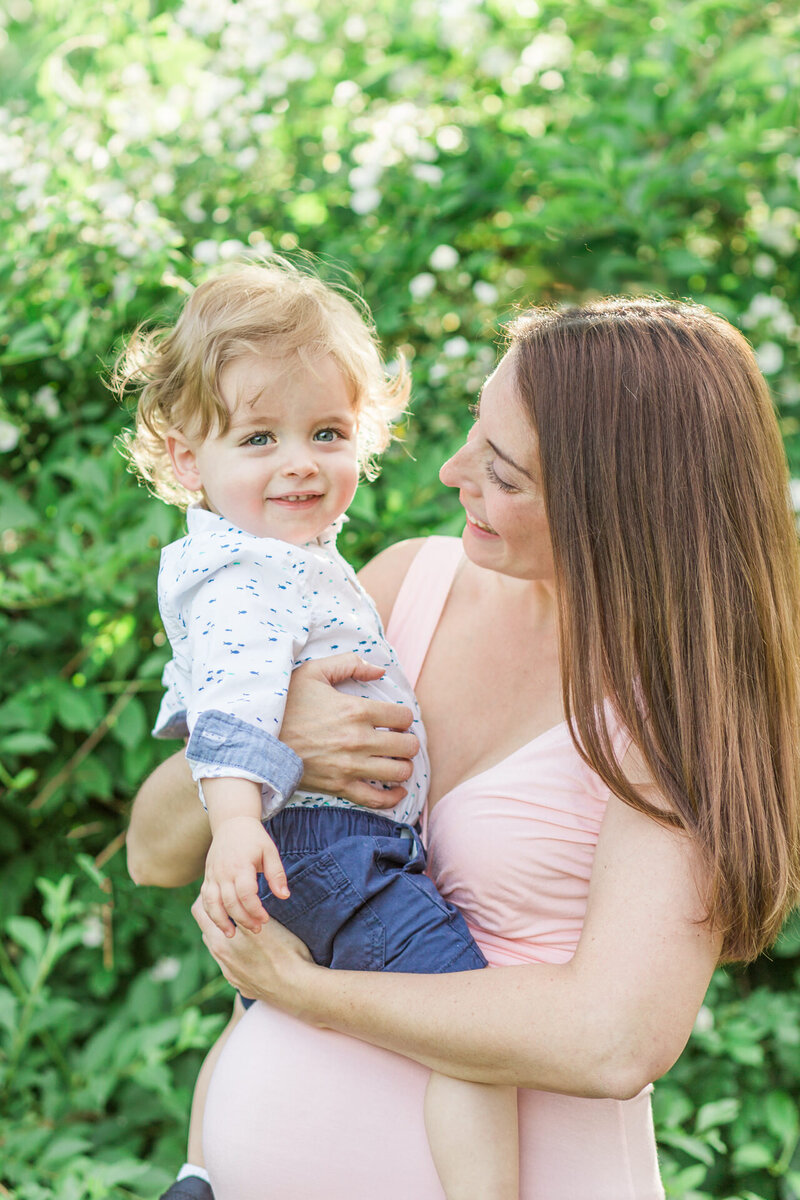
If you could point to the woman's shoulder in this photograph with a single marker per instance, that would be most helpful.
(383, 575)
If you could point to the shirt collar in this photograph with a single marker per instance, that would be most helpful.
(199, 519)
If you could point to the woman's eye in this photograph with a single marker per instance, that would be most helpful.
(501, 483)
(326, 435)
(259, 439)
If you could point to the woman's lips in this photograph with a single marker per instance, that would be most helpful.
(479, 527)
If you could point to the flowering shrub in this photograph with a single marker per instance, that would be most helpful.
(457, 157)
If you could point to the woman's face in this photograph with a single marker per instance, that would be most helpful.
(499, 485)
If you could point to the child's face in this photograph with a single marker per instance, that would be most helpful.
(287, 465)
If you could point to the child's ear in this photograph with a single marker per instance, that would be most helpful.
(184, 461)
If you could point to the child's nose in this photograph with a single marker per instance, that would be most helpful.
(300, 462)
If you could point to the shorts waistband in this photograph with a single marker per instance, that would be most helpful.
(315, 828)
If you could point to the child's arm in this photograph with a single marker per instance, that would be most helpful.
(240, 848)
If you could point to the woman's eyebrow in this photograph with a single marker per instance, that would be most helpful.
(501, 454)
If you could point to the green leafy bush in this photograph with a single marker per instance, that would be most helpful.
(458, 157)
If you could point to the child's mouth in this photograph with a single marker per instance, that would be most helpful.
(296, 499)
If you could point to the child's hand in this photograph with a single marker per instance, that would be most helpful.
(240, 849)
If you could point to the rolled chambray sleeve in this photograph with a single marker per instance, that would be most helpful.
(245, 622)
(223, 746)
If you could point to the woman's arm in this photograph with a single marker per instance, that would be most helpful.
(168, 835)
(605, 1024)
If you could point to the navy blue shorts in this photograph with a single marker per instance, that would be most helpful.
(360, 899)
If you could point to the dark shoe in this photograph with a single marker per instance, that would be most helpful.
(190, 1188)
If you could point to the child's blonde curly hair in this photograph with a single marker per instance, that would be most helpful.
(272, 307)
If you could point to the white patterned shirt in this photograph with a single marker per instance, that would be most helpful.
(241, 612)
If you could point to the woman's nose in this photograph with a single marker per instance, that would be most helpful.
(454, 473)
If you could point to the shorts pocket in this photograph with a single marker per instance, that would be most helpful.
(327, 912)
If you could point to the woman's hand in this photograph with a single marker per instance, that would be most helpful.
(348, 744)
(270, 965)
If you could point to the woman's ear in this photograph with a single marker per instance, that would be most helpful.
(184, 461)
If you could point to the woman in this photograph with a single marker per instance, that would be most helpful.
(609, 680)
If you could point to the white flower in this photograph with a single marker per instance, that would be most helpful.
(762, 305)
(794, 492)
(364, 177)
(551, 81)
(9, 436)
(428, 173)
(548, 50)
(422, 285)
(704, 1021)
(769, 356)
(496, 61)
(92, 932)
(47, 400)
(206, 252)
(246, 158)
(365, 200)
(231, 248)
(485, 292)
(344, 93)
(456, 347)
(165, 970)
(449, 137)
(437, 373)
(355, 28)
(763, 265)
(444, 258)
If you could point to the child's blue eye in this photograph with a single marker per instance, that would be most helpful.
(326, 435)
(259, 439)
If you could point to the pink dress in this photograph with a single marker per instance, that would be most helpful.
(303, 1113)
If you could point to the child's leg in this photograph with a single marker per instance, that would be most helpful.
(472, 1131)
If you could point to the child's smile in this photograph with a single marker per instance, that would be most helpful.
(287, 465)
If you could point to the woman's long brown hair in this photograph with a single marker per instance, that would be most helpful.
(666, 490)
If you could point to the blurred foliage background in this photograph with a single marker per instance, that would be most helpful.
(458, 157)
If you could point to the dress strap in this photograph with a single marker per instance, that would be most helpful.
(420, 601)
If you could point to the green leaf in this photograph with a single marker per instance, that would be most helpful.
(780, 1111)
(75, 333)
(717, 1112)
(8, 1010)
(80, 709)
(28, 934)
(63, 1149)
(15, 513)
(26, 742)
(31, 342)
(788, 944)
(753, 1156)
(692, 1146)
(131, 726)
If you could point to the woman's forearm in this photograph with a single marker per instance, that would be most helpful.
(168, 835)
(515, 1025)
(606, 1023)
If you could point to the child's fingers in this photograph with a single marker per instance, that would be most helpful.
(273, 871)
(244, 915)
(247, 895)
(212, 903)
